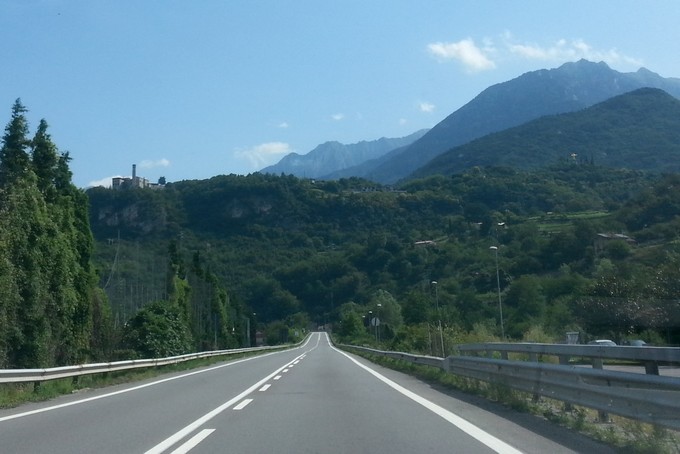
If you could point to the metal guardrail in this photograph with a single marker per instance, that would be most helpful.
(433, 361)
(54, 373)
(645, 397)
(649, 357)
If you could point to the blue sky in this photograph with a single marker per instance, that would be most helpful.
(193, 89)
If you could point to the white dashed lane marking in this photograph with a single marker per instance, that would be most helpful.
(243, 404)
(193, 441)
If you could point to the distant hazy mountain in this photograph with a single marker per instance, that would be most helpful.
(571, 87)
(333, 156)
(638, 130)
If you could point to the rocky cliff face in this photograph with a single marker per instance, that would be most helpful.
(134, 216)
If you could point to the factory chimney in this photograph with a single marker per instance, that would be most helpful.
(134, 172)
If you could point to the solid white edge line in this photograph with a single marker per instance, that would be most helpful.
(464, 425)
(177, 436)
(146, 385)
(193, 441)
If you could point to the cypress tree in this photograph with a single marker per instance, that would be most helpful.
(26, 227)
(14, 160)
(44, 160)
(50, 310)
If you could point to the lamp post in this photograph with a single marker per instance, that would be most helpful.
(214, 331)
(377, 324)
(498, 283)
(439, 318)
(253, 334)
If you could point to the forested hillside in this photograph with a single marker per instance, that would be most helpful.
(233, 260)
(636, 130)
(572, 87)
(289, 250)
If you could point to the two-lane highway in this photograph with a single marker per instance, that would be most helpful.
(312, 399)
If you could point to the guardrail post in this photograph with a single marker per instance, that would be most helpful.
(651, 368)
(533, 357)
(564, 361)
(36, 386)
(603, 416)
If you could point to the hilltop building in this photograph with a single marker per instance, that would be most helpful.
(134, 182)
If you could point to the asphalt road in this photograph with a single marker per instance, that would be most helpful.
(312, 399)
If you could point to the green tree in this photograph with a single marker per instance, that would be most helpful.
(28, 230)
(50, 282)
(14, 159)
(388, 311)
(10, 299)
(526, 305)
(45, 159)
(157, 330)
(416, 307)
(350, 326)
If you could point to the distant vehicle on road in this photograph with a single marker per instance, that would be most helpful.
(637, 343)
(603, 342)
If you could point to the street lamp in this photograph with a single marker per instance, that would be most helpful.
(377, 324)
(498, 283)
(439, 318)
(253, 333)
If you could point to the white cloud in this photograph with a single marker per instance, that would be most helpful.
(283, 125)
(485, 57)
(564, 50)
(338, 116)
(474, 58)
(426, 107)
(104, 182)
(264, 154)
(149, 164)
(403, 121)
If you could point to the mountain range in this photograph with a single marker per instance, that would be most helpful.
(571, 87)
(333, 156)
(637, 130)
